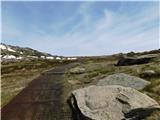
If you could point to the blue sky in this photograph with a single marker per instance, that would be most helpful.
(82, 28)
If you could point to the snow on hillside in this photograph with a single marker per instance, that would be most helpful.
(9, 52)
(4, 47)
(9, 57)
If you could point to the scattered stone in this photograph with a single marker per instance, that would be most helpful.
(148, 73)
(77, 70)
(133, 61)
(110, 103)
(74, 82)
(157, 89)
(124, 80)
(87, 81)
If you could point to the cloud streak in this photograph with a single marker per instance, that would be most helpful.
(111, 32)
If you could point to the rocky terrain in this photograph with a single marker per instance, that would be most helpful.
(117, 87)
(111, 102)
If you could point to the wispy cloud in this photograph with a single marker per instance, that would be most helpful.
(82, 34)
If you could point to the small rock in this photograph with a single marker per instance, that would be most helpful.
(148, 73)
(157, 89)
(77, 70)
(124, 80)
(74, 82)
(110, 103)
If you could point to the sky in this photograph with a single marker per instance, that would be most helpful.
(82, 28)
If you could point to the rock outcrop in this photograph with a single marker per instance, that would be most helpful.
(110, 103)
(149, 74)
(124, 80)
(133, 61)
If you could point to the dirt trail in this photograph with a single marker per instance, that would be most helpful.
(41, 100)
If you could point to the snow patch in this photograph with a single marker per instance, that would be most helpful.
(71, 58)
(33, 57)
(50, 57)
(58, 58)
(19, 58)
(9, 57)
(11, 50)
(3, 47)
(21, 53)
(43, 57)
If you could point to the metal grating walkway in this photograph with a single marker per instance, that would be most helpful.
(41, 100)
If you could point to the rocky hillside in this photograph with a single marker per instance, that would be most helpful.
(16, 52)
(9, 52)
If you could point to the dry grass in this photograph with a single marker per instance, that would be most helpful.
(17, 75)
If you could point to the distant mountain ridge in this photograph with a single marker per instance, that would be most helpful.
(10, 52)
(16, 52)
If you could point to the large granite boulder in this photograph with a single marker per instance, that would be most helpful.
(77, 70)
(110, 103)
(124, 61)
(124, 80)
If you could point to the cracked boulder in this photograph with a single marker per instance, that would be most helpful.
(110, 103)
